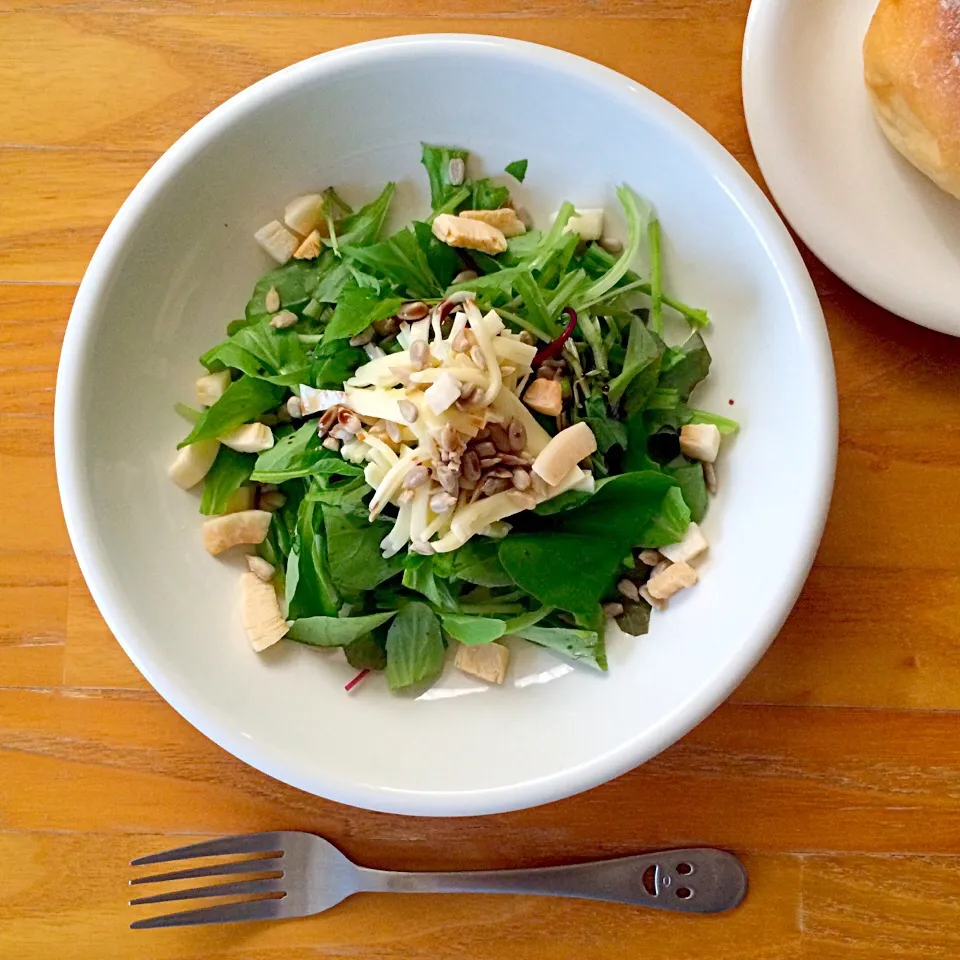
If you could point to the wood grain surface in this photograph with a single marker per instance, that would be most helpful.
(834, 770)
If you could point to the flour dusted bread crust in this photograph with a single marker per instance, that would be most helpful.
(911, 57)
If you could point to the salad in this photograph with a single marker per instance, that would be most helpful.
(465, 431)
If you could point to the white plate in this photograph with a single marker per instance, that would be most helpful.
(869, 215)
(178, 261)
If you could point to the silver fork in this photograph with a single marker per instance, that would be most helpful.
(308, 875)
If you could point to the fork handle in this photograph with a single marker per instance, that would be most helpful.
(698, 880)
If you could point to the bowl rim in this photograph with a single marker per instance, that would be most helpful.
(81, 524)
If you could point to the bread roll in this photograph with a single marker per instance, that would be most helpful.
(911, 57)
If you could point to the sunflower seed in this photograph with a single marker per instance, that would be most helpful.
(349, 421)
(650, 557)
(408, 410)
(464, 276)
(393, 431)
(416, 477)
(546, 373)
(406, 496)
(500, 437)
(284, 320)
(294, 408)
(467, 485)
(517, 435)
(470, 467)
(628, 589)
(489, 462)
(476, 355)
(512, 460)
(442, 502)
(414, 310)
(492, 486)
(659, 568)
(527, 337)
(419, 352)
(500, 473)
(521, 479)
(611, 610)
(448, 478)
(461, 342)
(485, 449)
(362, 338)
(387, 327)
(466, 391)
(331, 443)
(456, 171)
(271, 301)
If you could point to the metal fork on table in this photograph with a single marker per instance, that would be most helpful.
(307, 875)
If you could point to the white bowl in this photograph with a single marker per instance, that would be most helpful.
(178, 261)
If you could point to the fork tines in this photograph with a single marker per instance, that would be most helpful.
(268, 890)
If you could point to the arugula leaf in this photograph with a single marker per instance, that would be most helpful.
(635, 618)
(656, 282)
(403, 262)
(260, 350)
(472, 630)
(243, 401)
(692, 486)
(587, 646)
(368, 652)
(293, 281)
(229, 472)
(437, 163)
(637, 456)
(300, 454)
(353, 551)
(356, 310)
(670, 524)
(537, 312)
(346, 495)
(332, 282)
(333, 363)
(644, 351)
(310, 587)
(608, 431)
(335, 631)
(364, 226)
(487, 195)
(478, 561)
(517, 169)
(571, 564)
(420, 574)
(415, 649)
(684, 367)
(443, 260)
(725, 425)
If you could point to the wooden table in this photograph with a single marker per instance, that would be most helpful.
(834, 770)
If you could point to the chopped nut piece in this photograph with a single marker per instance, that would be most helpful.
(260, 610)
(310, 248)
(277, 240)
(263, 569)
(193, 463)
(564, 452)
(710, 478)
(306, 214)
(486, 661)
(249, 438)
(653, 601)
(271, 301)
(212, 387)
(692, 545)
(545, 396)
(665, 584)
(586, 224)
(232, 529)
(700, 441)
(468, 234)
(505, 220)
